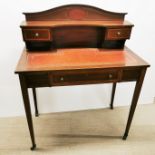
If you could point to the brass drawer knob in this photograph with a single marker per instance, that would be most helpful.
(37, 34)
(61, 79)
(118, 33)
(110, 76)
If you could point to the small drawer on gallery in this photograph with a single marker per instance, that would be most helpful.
(84, 77)
(117, 33)
(37, 34)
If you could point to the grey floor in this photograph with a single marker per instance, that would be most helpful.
(92, 132)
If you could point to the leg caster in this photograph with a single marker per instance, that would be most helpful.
(125, 137)
(111, 107)
(36, 114)
(33, 147)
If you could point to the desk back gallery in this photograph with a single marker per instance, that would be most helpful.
(60, 27)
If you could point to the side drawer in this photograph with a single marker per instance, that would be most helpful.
(83, 77)
(37, 80)
(117, 33)
(131, 74)
(37, 34)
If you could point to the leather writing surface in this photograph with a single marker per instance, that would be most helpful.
(78, 58)
(75, 58)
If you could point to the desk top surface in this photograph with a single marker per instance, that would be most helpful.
(78, 58)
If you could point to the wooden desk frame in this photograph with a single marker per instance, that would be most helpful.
(49, 77)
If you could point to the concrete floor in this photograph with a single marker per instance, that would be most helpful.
(92, 132)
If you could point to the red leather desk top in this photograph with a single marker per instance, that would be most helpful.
(78, 58)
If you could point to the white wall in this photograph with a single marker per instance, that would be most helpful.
(142, 41)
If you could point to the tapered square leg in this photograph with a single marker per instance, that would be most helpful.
(136, 94)
(27, 107)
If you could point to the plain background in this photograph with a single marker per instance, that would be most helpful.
(58, 99)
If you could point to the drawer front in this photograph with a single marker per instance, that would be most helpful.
(37, 80)
(118, 33)
(131, 74)
(89, 77)
(37, 34)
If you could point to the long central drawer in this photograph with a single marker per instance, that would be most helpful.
(83, 77)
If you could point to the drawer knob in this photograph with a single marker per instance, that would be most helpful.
(118, 33)
(110, 76)
(37, 34)
(61, 79)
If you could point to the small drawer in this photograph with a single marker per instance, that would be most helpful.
(131, 74)
(89, 77)
(37, 79)
(118, 33)
(37, 34)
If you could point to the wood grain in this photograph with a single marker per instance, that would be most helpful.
(74, 12)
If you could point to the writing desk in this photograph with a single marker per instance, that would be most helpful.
(99, 61)
(79, 66)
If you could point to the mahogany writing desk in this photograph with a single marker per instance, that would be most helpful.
(63, 48)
